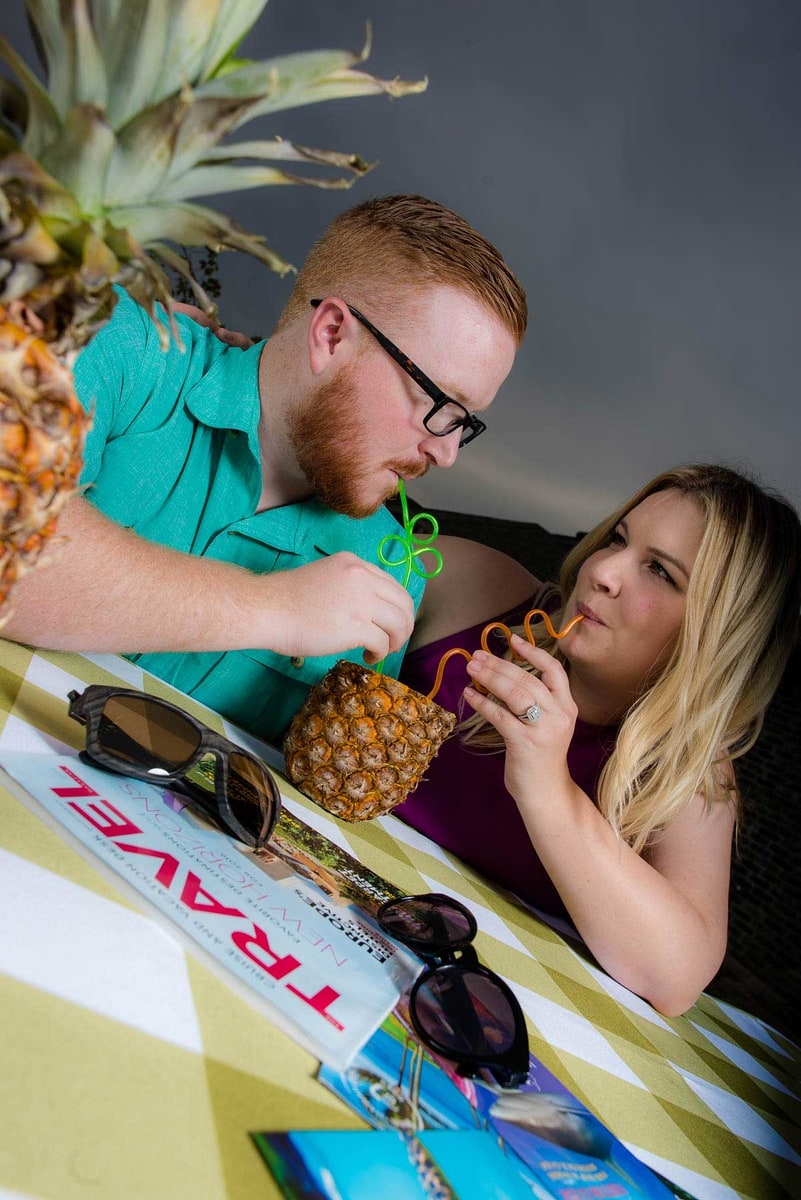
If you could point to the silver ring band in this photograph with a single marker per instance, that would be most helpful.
(532, 714)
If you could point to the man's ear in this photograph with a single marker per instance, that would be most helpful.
(331, 337)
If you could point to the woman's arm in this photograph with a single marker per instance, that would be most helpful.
(656, 923)
(475, 584)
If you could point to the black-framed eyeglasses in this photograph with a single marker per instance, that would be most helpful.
(458, 1007)
(134, 734)
(445, 415)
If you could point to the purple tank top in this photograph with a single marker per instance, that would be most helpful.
(462, 804)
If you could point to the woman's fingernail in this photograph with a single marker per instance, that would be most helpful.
(480, 655)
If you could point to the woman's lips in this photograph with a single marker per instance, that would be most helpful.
(588, 613)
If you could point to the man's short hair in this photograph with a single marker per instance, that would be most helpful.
(382, 251)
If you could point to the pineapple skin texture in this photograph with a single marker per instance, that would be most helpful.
(42, 433)
(361, 741)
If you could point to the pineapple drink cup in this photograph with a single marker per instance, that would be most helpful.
(361, 742)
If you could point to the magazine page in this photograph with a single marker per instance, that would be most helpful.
(558, 1146)
(458, 1165)
(282, 922)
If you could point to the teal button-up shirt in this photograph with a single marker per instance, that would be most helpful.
(173, 454)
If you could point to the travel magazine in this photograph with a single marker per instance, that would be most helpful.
(557, 1146)
(289, 926)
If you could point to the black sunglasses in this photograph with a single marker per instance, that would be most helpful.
(446, 415)
(134, 734)
(458, 1007)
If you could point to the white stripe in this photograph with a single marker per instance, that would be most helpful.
(739, 1117)
(73, 943)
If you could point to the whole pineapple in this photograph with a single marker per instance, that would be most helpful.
(361, 741)
(97, 167)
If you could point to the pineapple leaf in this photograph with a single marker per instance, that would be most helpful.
(52, 201)
(191, 24)
(235, 19)
(24, 240)
(283, 151)
(195, 225)
(80, 158)
(164, 142)
(74, 63)
(100, 265)
(222, 169)
(292, 80)
(43, 125)
(153, 48)
(213, 180)
(232, 63)
(90, 81)
(110, 15)
(56, 48)
(13, 110)
(135, 46)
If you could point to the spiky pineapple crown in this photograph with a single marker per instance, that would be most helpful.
(97, 167)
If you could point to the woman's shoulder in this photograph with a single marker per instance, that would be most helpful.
(477, 584)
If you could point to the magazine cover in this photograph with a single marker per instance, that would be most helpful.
(282, 922)
(558, 1146)
(463, 1165)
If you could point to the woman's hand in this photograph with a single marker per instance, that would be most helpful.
(536, 752)
(229, 336)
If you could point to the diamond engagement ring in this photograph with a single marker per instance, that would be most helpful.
(532, 714)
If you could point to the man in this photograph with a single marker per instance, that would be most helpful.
(227, 539)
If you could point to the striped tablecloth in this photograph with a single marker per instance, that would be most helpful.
(141, 1075)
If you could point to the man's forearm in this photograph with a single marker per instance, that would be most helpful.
(107, 589)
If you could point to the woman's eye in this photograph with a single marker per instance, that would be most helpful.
(661, 572)
(616, 538)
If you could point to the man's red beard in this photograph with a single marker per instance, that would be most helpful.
(329, 440)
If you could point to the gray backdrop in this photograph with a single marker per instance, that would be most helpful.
(637, 161)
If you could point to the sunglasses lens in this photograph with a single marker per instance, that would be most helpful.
(148, 734)
(251, 795)
(464, 1014)
(422, 921)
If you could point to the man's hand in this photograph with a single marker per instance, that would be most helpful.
(335, 604)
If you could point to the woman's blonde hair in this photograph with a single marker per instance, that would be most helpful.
(707, 705)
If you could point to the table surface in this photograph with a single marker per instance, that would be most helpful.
(98, 1100)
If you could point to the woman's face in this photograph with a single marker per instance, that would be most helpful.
(632, 594)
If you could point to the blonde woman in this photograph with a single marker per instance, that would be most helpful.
(611, 793)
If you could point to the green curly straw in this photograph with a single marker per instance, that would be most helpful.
(412, 548)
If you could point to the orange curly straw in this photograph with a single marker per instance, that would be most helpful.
(500, 625)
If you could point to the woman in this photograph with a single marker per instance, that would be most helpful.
(615, 799)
